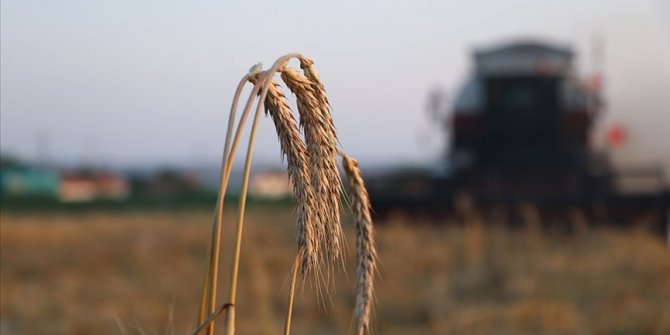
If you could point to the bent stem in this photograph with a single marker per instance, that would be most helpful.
(265, 81)
(226, 167)
(230, 322)
(216, 224)
(291, 293)
(211, 318)
(210, 283)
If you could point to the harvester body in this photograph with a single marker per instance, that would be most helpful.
(520, 134)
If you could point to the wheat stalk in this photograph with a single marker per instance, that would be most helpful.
(321, 142)
(312, 166)
(366, 251)
(265, 80)
(210, 282)
(291, 293)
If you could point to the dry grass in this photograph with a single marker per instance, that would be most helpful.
(74, 273)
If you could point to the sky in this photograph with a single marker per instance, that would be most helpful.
(151, 82)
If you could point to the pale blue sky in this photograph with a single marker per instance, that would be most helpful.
(150, 82)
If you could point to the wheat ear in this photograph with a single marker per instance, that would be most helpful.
(334, 227)
(366, 251)
(320, 91)
(306, 64)
(295, 151)
(321, 141)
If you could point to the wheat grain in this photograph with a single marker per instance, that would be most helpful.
(327, 123)
(329, 128)
(366, 251)
(311, 73)
(295, 151)
(322, 146)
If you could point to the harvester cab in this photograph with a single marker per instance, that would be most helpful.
(522, 104)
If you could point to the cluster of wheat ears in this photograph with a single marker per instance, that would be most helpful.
(313, 170)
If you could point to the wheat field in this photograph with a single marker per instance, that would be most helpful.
(141, 272)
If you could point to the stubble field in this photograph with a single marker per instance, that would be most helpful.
(140, 273)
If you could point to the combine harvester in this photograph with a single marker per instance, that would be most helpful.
(520, 141)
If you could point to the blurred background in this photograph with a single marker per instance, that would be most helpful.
(516, 156)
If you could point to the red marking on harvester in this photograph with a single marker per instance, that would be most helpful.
(616, 136)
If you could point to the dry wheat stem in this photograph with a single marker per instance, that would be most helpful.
(322, 146)
(231, 121)
(231, 116)
(295, 151)
(230, 315)
(265, 80)
(226, 171)
(202, 313)
(366, 252)
(291, 293)
(210, 319)
(228, 152)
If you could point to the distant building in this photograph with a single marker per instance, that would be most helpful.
(270, 184)
(84, 187)
(167, 182)
(27, 181)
